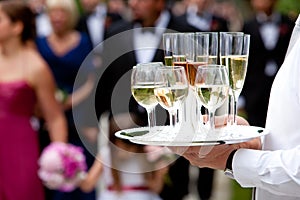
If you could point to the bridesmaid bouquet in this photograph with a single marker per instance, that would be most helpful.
(62, 166)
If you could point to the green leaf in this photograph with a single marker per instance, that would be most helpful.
(133, 134)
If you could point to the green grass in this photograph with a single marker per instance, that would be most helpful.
(239, 193)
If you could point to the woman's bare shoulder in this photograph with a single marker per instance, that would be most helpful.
(36, 60)
(39, 68)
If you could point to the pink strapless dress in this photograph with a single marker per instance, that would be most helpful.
(19, 149)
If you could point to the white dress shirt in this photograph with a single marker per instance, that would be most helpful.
(96, 24)
(295, 35)
(269, 31)
(201, 22)
(43, 25)
(146, 43)
(275, 172)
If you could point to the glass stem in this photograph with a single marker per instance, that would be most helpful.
(234, 106)
(211, 120)
(173, 118)
(230, 118)
(183, 113)
(151, 119)
(198, 115)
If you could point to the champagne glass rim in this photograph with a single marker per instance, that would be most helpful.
(207, 32)
(247, 35)
(150, 64)
(177, 33)
(233, 33)
(211, 66)
(171, 68)
(170, 33)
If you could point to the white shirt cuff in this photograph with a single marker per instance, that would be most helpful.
(244, 166)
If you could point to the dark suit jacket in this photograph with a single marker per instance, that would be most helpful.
(257, 84)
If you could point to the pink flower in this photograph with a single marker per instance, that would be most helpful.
(52, 161)
(62, 166)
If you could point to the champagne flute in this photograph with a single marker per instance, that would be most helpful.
(237, 53)
(213, 43)
(197, 53)
(211, 87)
(171, 89)
(197, 49)
(167, 45)
(179, 50)
(223, 55)
(222, 44)
(142, 89)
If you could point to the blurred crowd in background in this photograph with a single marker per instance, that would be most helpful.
(66, 35)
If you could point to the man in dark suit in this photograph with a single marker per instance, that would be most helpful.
(270, 33)
(129, 43)
(138, 41)
(200, 19)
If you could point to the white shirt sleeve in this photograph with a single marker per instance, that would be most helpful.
(275, 171)
(295, 35)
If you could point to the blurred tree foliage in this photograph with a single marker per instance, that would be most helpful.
(289, 7)
(80, 9)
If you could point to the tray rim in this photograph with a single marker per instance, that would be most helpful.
(190, 143)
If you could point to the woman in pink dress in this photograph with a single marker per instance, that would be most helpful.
(25, 82)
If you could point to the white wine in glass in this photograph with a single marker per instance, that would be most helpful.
(237, 68)
(237, 52)
(144, 95)
(171, 90)
(212, 87)
(142, 89)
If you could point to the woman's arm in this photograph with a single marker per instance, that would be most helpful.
(81, 93)
(88, 184)
(44, 85)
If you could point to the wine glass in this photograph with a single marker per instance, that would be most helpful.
(142, 89)
(175, 55)
(236, 59)
(211, 87)
(171, 89)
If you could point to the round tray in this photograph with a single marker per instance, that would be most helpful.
(165, 136)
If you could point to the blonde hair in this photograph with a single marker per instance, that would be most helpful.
(68, 5)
